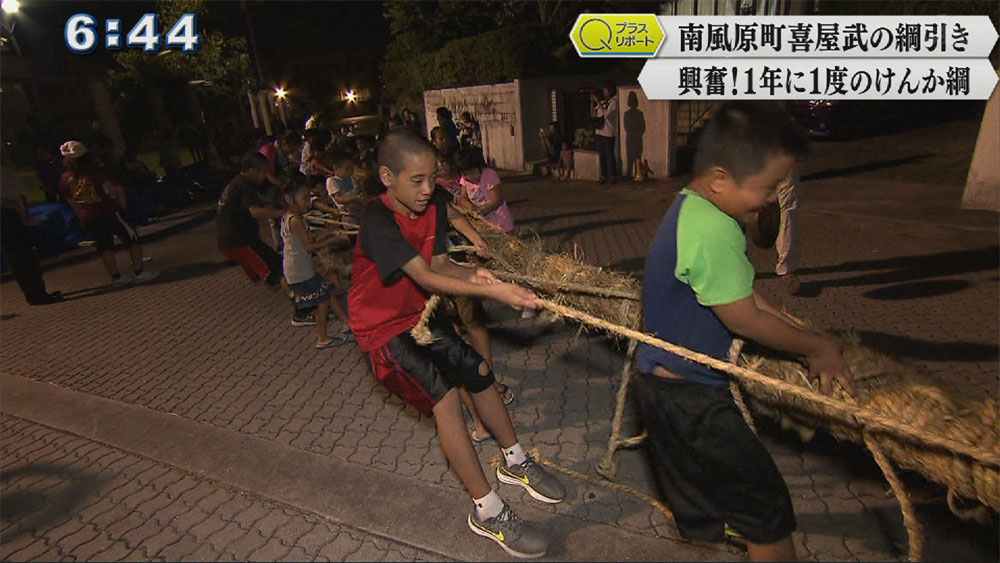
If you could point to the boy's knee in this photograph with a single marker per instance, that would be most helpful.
(448, 405)
(481, 379)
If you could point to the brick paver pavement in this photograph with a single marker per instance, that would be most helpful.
(204, 344)
(68, 498)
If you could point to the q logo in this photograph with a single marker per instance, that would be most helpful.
(596, 35)
(616, 35)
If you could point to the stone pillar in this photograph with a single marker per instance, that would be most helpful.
(106, 113)
(253, 110)
(982, 187)
(265, 111)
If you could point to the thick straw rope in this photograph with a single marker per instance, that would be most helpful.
(833, 408)
(847, 412)
(567, 286)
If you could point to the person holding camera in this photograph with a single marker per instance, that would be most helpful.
(605, 113)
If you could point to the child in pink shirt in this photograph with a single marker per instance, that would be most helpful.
(481, 189)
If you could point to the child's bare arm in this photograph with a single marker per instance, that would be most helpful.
(496, 199)
(474, 284)
(825, 361)
(344, 199)
(320, 205)
(463, 226)
(299, 230)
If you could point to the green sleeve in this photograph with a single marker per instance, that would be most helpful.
(712, 254)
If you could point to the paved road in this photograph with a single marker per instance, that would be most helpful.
(287, 452)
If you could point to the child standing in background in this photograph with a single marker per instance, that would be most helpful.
(310, 290)
(341, 188)
(565, 166)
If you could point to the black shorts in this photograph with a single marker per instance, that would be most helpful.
(709, 467)
(422, 375)
(104, 230)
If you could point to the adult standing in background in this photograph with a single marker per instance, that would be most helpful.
(785, 245)
(16, 242)
(449, 128)
(605, 110)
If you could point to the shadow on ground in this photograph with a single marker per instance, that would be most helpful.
(902, 270)
(42, 505)
(861, 168)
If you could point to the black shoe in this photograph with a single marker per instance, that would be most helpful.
(299, 319)
(48, 298)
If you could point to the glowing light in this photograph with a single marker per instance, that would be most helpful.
(351, 96)
(10, 6)
(280, 92)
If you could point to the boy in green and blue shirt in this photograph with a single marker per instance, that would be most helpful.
(698, 292)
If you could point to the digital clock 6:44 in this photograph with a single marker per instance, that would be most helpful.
(81, 34)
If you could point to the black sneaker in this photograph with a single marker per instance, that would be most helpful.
(303, 319)
(539, 483)
(514, 535)
(48, 298)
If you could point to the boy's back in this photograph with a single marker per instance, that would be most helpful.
(697, 260)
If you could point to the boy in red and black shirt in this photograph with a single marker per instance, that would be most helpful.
(399, 261)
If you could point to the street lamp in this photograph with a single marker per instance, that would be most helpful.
(282, 96)
(7, 23)
(351, 96)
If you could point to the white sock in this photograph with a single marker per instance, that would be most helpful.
(514, 455)
(489, 506)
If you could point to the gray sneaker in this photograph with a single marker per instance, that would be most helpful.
(514, 535)
(539, 483)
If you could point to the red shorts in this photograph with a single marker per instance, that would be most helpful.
(254, 266)
(422, 375)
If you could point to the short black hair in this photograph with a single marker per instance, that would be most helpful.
(742, 135)
(469, 158)
(252, 160)
(447, 159)
(399, 143)
(297, 183)
(292, 138)
(339, 158)
(316, 179)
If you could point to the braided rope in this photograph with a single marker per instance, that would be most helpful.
(567, 286)
(607, 467)
(332, 222)
(832, 408)
(421, 332)
(913, 528)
